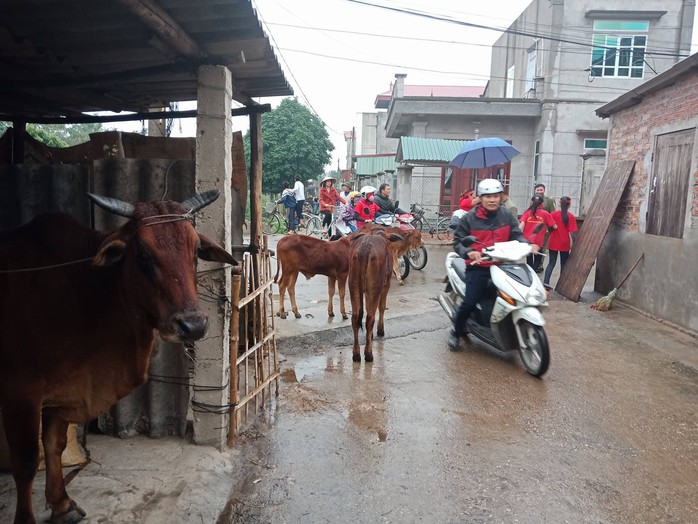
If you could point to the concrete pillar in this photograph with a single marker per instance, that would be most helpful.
(156, 127)
(404, 186)
(214, 135)
(399, 87)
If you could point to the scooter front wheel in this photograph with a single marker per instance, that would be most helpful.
(536, 354)
(418, 257)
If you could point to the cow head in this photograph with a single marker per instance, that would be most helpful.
(156, 253)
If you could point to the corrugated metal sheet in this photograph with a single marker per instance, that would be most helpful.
(373, 164)
(427, 151)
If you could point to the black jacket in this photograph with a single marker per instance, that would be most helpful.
(385, 205)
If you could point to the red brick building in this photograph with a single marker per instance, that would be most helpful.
(655, 125)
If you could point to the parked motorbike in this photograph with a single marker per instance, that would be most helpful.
(418, 257)
(509, 318)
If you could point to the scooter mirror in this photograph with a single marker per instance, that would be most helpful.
(397, 204)
(469, 240)
(537, 229)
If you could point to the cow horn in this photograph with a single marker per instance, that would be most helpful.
(193, 204)
(118, 207)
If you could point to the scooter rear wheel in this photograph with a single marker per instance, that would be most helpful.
(404, 266)
(418, 257)
(536, 354)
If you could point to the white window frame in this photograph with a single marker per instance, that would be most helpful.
(618, 52)
(531, 67)
(509, 93)
(536, 160)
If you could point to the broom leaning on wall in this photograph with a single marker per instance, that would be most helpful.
(605, 303)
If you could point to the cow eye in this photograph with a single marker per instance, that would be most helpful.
(145, 261)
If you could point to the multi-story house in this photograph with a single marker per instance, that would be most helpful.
(554, 66)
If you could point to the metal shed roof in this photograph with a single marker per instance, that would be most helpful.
(427, 151)
(59, 58)
(373, 164)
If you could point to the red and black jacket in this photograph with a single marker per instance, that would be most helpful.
(488, 228)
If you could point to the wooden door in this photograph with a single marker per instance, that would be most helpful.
(668, 191)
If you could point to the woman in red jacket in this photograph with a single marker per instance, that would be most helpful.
(560, 238)
(531, 222)
(328, 200)
(365, 210)
(468, 200)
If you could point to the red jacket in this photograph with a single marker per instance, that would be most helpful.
(328, 198)
(365, 211)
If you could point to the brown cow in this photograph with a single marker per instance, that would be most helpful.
(412, 239)
(312, 256)
(369, 283)
(79, 313)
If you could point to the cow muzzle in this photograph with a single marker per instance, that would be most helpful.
(186, 326)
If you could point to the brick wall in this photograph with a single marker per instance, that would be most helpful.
(630, 139)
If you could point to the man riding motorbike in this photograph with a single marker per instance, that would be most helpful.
(489, 223)
(386, 206)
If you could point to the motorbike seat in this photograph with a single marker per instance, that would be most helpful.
(458, 265)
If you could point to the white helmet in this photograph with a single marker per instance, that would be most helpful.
(367, 190)
(489, 186)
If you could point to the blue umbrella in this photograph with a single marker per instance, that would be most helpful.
(484, 152)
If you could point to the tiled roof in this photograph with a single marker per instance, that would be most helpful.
(373, 164)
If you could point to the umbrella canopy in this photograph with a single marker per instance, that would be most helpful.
(484, 152)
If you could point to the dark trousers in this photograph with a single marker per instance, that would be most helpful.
(299, 211)
(326, 218)
(292, 219)
(476, 281)
(564, 255)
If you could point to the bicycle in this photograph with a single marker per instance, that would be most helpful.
(274, 222)
(441, 228)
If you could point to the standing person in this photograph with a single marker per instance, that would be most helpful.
(328, 201)
(531, 222)
(560, 237)
(549, 206)
(365, 210)
(288, 199)
(468, 200)
(346, 189)
(489, 222)
(506, 202)
(299, 193)
(386, 206)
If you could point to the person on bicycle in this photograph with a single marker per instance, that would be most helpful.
(385, 205)
(365, 210)
(488, 222)
(328, 200)
(288, 199)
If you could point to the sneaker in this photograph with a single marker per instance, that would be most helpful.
(453, 341)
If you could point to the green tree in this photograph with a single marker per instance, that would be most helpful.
(295, 143)
(58, 135)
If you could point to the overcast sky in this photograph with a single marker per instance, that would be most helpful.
(337, 55)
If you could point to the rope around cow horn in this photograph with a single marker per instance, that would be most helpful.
(118, 207)
(193, 204)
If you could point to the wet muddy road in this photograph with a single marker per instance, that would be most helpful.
(423, 434)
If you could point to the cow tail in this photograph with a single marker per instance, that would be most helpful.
(362, 294)
(278, 270)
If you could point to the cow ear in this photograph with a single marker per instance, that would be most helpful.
(209, 250)
(395, 238)
(110, 252)
(357, 236)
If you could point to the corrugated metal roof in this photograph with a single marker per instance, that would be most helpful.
(372, 164)
(427, 151)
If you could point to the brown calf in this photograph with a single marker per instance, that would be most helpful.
(311, 256)
(410, 239)
(369, 283)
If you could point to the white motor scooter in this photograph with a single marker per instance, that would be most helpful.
(509, 318)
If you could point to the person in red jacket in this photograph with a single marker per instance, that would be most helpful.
(560, 238)
(329, 197)
(365, 210)
(534, 216)
(468, 200)
(489, 222)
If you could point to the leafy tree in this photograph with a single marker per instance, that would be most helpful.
(58, 135)
(295, 143)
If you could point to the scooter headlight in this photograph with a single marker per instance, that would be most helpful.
(536, 295)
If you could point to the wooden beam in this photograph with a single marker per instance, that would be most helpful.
(164, 26)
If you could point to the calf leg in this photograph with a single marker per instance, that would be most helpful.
(370, 322)
(283, 284)
(396, 270)
(342, 293)
(357, 315)
(54, 436)
(21, 421)
(292, 295)
(330, 296)
(381, 309)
